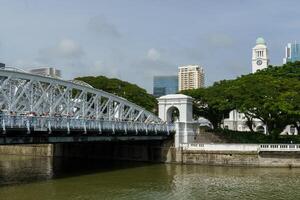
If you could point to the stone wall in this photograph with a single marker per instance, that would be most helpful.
(262, 159)
(27, 150)
(279, 159)
(152, 151)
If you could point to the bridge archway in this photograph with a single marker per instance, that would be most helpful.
(173, 114)
(167, 107)
(169, 103)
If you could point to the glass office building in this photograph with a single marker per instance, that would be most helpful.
(292, 53)
(163, 85)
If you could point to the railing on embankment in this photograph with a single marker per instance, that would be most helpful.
(241, 147)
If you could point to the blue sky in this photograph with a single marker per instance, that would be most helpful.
(136, 39)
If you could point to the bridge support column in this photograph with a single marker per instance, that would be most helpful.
(28, 126)
(178, 109)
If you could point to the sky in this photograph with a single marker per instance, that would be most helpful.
(134, 40)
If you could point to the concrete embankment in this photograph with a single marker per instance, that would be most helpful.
(261, 159)
(266, 155)
(164, 152)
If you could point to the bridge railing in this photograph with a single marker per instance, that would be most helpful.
(46, 123)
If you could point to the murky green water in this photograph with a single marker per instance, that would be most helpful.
(42, 178)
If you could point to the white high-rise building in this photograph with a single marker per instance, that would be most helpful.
(47, 71)
(260, 55)
(190, 77)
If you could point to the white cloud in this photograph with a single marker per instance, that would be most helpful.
(68, 48)
(153, 54)
(64, 49)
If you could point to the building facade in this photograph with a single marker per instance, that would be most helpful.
(47, 71)
(2, 66)
(238, 122)
(190, 77)
(260, 55)
(292, 53)
(163, 85)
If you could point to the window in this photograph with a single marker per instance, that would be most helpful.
(292, 130)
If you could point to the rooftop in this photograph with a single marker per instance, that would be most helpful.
(260, 40)
(175, 96)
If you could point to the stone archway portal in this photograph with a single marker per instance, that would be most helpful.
(183, 103)
(184, 126)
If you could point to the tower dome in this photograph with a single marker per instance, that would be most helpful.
(260, 40)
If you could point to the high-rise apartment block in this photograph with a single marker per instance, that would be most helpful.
(190, 77)
(163, 85)
(47, 71)
(292, 53)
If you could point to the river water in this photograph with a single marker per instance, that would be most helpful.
(45, 178)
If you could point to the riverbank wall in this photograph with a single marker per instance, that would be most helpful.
(256, 155)
(248, 159)
(164, 152)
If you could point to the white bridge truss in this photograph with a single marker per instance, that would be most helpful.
(26, 95)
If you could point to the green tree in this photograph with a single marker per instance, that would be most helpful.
(213, 102)
(271, 95)
(124, 89)
(261, 96)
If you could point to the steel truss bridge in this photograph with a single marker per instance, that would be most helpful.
(40, 109)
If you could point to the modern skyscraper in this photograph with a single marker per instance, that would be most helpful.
(190, 77)
(260, 55)
(292, 53)
(163, 85)
(47, 71)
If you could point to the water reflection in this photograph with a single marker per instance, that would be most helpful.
(46, 178)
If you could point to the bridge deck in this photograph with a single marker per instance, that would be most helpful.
(34, 130)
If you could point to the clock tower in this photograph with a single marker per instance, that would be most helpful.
(260, 55)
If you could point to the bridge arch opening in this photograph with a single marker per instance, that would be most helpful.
(173, 114)
(169, 104)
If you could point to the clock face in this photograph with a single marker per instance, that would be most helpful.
(259, 62)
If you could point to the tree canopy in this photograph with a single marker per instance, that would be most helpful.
(271, 95)
(124, 89)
